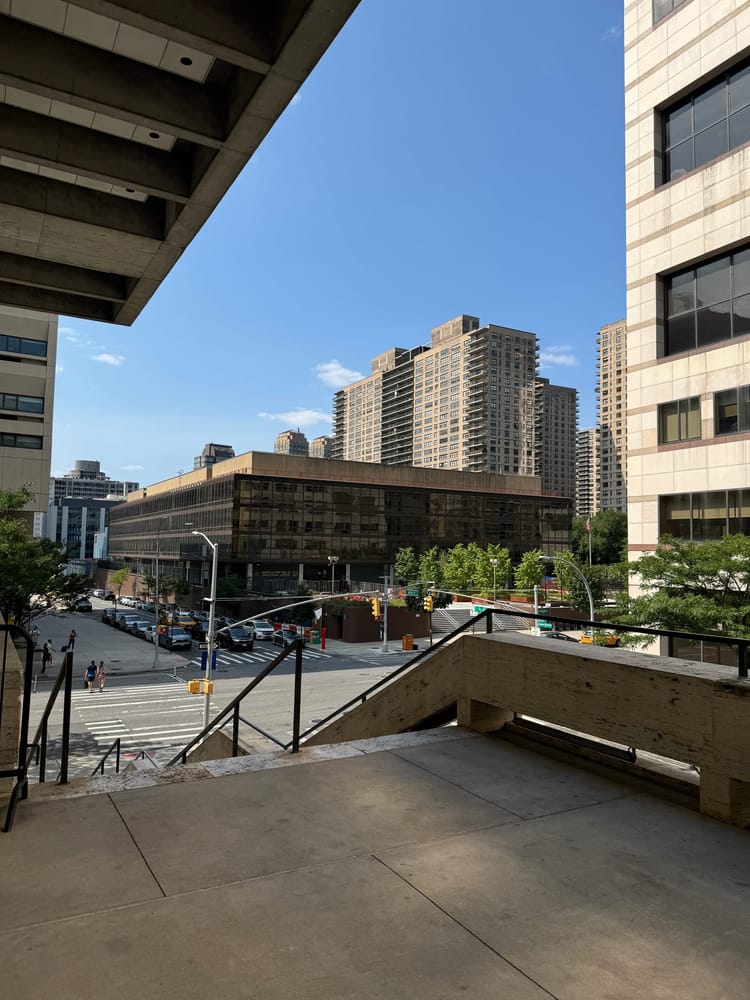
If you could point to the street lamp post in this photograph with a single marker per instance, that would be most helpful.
(494, 580)
(333, 560)
(155, 664)
(569, 562)
(210, 638)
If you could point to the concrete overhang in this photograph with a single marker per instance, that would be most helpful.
(122, 125)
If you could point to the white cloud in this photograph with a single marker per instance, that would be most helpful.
(298, 418)
(612, 33)
(334, 374)
(562, 356)
(108, 359)
(131, 468)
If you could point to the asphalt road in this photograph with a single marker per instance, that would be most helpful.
(152, 710)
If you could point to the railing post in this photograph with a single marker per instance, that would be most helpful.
(67, 698)
(236, 730)
(297, 696)
(117, 757)
(43, 752)
(488, 612)
(742, 658)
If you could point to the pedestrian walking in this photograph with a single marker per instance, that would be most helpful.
(101, 674)
(35, 636)
(90, 675)
(72, 639)
(47, 655)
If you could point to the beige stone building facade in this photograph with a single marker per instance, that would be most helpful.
(465, 402)
(687, 112)
(587, 472)
(28, 351)
(556, 432)
(611, 364)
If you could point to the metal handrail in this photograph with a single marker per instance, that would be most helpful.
(100, 766)
(38, 746)
(233, 707)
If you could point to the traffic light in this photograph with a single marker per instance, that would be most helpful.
(376, 607)
(428, 602)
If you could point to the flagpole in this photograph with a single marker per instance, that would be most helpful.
(588, 529)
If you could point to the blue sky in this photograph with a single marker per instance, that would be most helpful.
(442, 158)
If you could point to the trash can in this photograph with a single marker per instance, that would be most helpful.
(315, 637)
(407, 642)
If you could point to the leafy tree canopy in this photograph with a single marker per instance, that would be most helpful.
(30, 568)
(693, 587)
(530, 571)
(609, 537)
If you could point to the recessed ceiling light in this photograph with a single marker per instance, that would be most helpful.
(186, 61)
(154, 135)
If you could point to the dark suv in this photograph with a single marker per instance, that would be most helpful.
(285, 637)
(236, 637)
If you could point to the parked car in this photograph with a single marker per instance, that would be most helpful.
(148, 606)
(132, 627)
(150, 633)
(263, 629)
(108, 616)
(83, 604)
(236, 637)
(124, 622)
(109, 595)
(175, 638)
(559, 635)
(285, 637)
(141, 628)
(98, 592)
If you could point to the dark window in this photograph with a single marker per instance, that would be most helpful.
(708, 304)
(700, 517)
(732, 411)
(707, 124)
(680, 420)
(25, 404)
(20, 441)
(23, 345)
(663, 7)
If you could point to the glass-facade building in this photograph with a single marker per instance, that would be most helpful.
(282, 522)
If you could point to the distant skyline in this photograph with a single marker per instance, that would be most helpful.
(437, 161)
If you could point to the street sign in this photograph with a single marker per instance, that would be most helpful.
(412, 591)
(479, 608)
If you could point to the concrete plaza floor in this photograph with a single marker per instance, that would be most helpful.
(430, 865)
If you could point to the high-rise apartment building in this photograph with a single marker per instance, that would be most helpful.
(587, 472)
(687, 114)
(28, 349)
(321, 447)
(291, 443)
(213, 453)
(465, 402)
(87, 482)
(611, 363)
(557, 427)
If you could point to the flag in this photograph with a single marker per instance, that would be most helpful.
(588, 525)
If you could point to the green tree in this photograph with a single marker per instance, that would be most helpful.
(432, 567)
(406, 566)
(458, 571)
(117, 580)
(609, 537)
(31, 569)
(570, 581)
(530, 571)
(487, 576)
(692, 587)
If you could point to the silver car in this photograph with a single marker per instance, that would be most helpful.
(263, 629)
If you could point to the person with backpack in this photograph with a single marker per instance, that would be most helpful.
(90, 676)
(47, 655)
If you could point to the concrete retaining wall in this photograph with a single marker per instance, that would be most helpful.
(692, 712)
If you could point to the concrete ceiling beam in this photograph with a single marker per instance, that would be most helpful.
(44, 300)
(47, 142)
(244, 35)
(62, 69)
(44, 196)
(50, 276)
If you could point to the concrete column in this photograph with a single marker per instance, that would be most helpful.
(725, 798)
(481, 717)
(301, 573)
